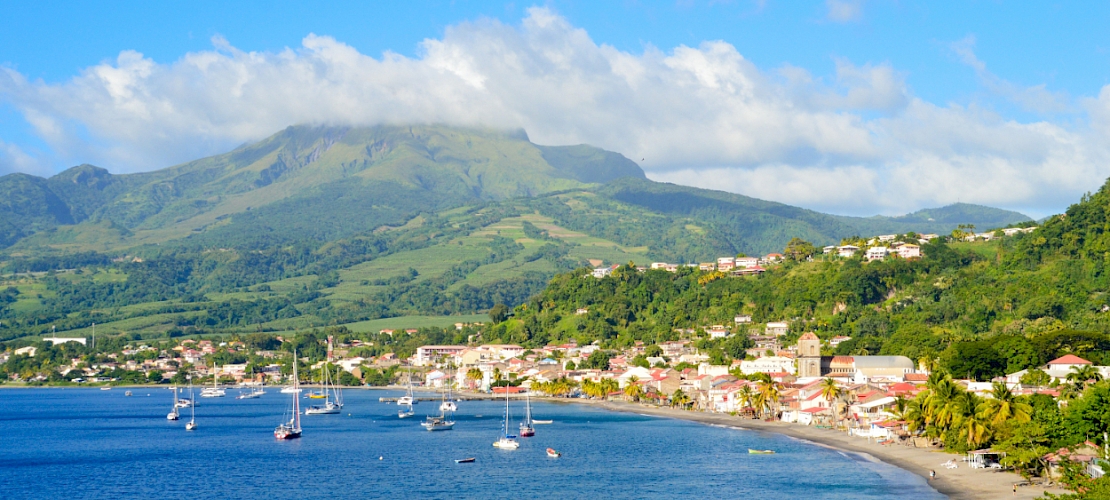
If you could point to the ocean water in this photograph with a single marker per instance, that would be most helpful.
(87, 443)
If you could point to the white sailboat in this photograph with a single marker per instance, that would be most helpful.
(332, 397)
(292, 429)
(448, 403)
(192, 425)
(215, 391)
(173, 414)
(440, 423)
(526, 428)
(407, 399)
(507, 441)
(256, 392)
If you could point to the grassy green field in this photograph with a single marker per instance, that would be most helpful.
(414, 322)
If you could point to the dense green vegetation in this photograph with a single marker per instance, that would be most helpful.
(323, 226)
(976, 309)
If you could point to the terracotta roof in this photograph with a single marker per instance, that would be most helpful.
(916, 377)
(843, 359)
(902, 387)
(814, 410)
(1070, 359)
(808, 336)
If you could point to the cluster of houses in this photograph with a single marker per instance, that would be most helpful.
(736, 266)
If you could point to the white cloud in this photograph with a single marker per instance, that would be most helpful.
(843, 11)
(704, 115)
(14, 159)
(1036, 98)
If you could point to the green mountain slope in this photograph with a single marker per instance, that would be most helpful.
(327, 225)
(321, 182)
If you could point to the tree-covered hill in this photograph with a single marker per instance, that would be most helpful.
(979, 309)
(327, 225)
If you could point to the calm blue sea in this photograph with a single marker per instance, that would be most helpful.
(82, 443)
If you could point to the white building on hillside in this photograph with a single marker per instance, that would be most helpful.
(768, 364)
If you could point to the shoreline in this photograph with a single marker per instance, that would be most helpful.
(960, 483)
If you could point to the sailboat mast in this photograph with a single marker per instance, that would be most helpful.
(296, 399)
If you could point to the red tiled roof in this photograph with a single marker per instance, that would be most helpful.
(814, 410)
(808, 336)
(916, 377)
(902, 387)
(843, 359)
(1070, 359)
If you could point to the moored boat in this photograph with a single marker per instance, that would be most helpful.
(526, 428)
(553, 454)
(291, 429)
(464, 460)
(506, 441)
(761, 452)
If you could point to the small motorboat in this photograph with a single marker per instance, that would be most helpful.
(128, 393)
(553, 454)
(465, 460)
(761, 452)
(541, 422)
(105, 388)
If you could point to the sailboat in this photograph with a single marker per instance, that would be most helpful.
(331, 405)
(173, 414)
(215, 391)
(526, 429)
(440, 423)
(407, 399)
(507, 441)
(448, 403)
(192, 425)
(256, 392)
(292, 429)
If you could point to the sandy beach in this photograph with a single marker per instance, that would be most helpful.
(960, 483)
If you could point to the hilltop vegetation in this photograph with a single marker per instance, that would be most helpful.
(978, 309)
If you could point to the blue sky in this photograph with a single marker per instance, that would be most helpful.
(898, 97)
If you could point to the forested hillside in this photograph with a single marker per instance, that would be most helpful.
(978, 309)
(343, 226)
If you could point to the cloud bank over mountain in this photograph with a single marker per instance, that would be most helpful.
(857, 143)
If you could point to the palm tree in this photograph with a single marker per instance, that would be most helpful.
(832, 393)
(473, 375)
(973, 428)
(768, 396)
(608, 386)
(1003, 406)
(1082, 376)
(679, 398)
(633, 390)
(745, 396)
